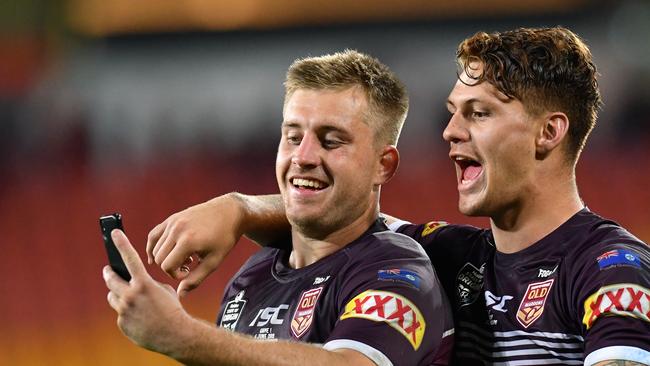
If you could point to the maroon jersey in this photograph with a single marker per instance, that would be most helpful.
(581, 294)
(378, 295)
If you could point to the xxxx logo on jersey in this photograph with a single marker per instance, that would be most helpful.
(532, 304)
(393, 309)
(432, 226)
(619, 299)
(304, 314)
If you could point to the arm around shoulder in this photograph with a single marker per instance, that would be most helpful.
(264, 219)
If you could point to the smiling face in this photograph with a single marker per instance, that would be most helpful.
(492, 143)
(327, 161)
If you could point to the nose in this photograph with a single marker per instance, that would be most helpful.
(307, 153)
(456, 130)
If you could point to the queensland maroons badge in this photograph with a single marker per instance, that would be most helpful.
(304, 314)
(532, 304)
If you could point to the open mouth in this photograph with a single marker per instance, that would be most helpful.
(308, 184)
(470, 169)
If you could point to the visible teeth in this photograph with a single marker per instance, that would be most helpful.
(299, 182)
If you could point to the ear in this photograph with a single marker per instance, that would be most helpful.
(553, 131)
(388, 163)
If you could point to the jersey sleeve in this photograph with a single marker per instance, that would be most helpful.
(612, 300)
(394, 312)
(450, 248)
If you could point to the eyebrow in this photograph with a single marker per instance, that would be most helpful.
(468, 101)
(321, 129)
(289, 124)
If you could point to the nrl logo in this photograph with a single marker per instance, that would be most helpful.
(304, 314)
(532, 304)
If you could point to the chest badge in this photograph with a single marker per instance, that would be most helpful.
(304, 314)
(469, 282)
(232, 311)
(532, 304)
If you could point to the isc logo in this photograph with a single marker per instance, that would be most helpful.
(270, 315)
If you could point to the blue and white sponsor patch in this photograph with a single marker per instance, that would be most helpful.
(618, 257)
(399, 275)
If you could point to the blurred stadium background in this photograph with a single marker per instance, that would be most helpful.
(147, 107)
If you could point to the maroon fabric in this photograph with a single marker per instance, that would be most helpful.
(530, 306)
(276, 300)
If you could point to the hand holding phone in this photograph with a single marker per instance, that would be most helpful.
(108, 223)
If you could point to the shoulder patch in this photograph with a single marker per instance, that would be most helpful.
(391, 308)
(432, 226)
(624, 299)
(399, 275)
(618, 257)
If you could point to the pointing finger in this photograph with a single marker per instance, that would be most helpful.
(129, 255)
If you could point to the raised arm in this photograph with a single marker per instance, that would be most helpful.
(207, 232)
(150, 314)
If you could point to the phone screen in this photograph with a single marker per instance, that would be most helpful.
(108, 223)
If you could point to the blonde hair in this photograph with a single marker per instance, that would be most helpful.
(387, 97)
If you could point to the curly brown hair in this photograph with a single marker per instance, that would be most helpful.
(387, 97)
(547, 69)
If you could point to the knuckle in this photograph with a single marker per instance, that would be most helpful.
(137, 287)
(182, 222)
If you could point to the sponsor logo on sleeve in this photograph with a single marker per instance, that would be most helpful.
(304, 315)
(393, 309)
(618, 257)
(469, 282)
(432, 226)
(624, 299)
(232, 311)
(399, 275)
(532, 304)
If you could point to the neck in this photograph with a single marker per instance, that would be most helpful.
(307, 249)
(549, 204)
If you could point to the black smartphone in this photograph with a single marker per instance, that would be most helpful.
(107, 224)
